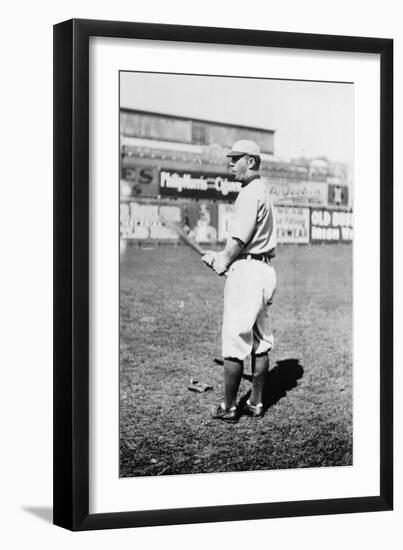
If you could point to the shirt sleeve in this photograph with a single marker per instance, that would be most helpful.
(243, 222)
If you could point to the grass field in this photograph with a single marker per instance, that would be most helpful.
(170, 322)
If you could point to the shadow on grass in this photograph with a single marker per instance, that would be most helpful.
(281, 379)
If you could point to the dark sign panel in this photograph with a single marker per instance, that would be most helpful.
(139, 181)
(338, 195)
(197, 185)
(331, 225)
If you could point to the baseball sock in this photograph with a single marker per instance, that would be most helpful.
(260, 366)
(233, 369)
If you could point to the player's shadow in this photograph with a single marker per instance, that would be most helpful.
(279, 380)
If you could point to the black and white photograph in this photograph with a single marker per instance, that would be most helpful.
(236, 234)
(144, 404)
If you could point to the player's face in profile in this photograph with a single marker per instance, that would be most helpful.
(238, 167)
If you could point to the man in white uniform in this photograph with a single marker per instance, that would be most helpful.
(250, 284)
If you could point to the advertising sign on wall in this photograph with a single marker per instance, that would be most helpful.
(306, 193)
(201, 220)
(338, 195)
(142, 221)
(139, 181)
(292, 224)
(197, 185)
(225, 212)
(331, 226)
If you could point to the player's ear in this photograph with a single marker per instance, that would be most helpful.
(251, 162)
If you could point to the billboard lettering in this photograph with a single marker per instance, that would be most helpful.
(299, 194)
(292, 224)
(142, 221)
(197, 185)
(139, 181)
(331, 226)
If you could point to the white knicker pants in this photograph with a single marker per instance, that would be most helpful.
(248, 294)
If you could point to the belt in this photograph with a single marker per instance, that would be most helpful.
(259, 257)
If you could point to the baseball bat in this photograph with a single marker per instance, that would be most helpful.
(183, 235)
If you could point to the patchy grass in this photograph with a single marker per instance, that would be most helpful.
(170, 323)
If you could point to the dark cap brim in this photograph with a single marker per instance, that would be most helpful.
(236, 154)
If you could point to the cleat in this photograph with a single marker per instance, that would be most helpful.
(253, 410)
(221, 413)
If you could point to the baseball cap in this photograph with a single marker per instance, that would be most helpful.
(244, 147)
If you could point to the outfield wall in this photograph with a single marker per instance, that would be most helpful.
(207, 222)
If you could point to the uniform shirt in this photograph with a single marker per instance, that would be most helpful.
(253, 221)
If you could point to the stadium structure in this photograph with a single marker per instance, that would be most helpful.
(176, 168)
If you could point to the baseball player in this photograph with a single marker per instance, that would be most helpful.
(250, 283)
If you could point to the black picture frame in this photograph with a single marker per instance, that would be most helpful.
(72, 285)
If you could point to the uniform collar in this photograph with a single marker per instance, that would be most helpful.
(251, 178)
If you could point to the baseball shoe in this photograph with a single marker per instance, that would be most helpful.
(253, 410)
(227, 415)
